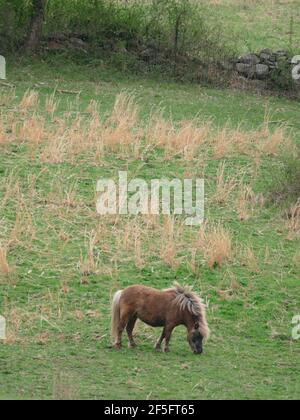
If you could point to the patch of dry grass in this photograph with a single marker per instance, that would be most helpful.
(215, 243)
(225, 186)
(245, 202)
(51, 105)
(292, 223)
(91, 136)
(4, 265)
(29, 101)
(248, 259)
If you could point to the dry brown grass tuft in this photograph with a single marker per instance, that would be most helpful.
(23, 231)
(185, 141)
(121, 132)
(263, 142)
(14, 321)
(193, 261)
(85, 135)
(54, 151)
(215, 243)
(188, 140)
(121, 139)
(75, 140)
(4, 138)
(51, 104)
(222, 144)
(168, 241)
(29, 101)
(138, 249)
(33, 130)
(272, 143)
(244, 202)
(89, 264)
(4, 265)
(125, 111)
(249, 260)
(243, 143)
(93, 108)
(159, 130)
(293, 222)
(225, 186)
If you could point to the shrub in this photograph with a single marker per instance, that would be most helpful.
(169, 36)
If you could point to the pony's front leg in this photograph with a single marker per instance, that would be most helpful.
(162, 337)
(168, 335)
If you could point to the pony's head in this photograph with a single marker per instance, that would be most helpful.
(195, 310)
(195, 339)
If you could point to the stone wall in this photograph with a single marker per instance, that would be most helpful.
(261, 65)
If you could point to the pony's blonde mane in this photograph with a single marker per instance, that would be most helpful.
(189, 301)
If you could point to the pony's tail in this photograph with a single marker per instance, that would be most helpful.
(115, 315)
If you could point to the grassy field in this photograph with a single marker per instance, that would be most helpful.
(255, 25)
(64, 128)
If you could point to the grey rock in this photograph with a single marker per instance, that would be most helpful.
(273, 66)
(55, 46)
(262, 71)
(77, 41)
(246, 70)
(251, 59)
(281, 53)
(271, 63)
(265, 57)
(266, 51)
(226, 65)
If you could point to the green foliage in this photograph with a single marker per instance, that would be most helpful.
(289, 184)
(14, 19)
(281, 77)
(170, 35)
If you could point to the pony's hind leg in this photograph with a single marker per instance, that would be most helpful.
(121, 327)
(129, 329)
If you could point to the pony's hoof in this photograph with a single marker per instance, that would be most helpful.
(157, 349)
(117, 346)
(131, 345)
(167, 350)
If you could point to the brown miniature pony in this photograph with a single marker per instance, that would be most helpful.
(168, 308)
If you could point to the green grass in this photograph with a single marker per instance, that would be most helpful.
(59, 346)
(256, 25)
